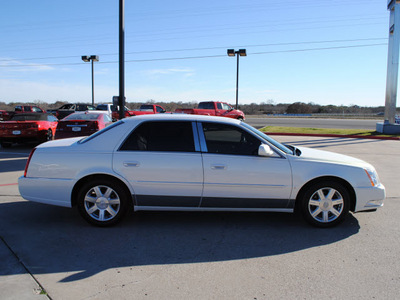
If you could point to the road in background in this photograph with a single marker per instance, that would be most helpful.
(259, 122)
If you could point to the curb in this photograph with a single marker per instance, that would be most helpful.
(335, 135)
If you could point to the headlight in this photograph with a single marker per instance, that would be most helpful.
(373, 176)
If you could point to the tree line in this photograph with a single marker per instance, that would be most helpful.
(263, 108)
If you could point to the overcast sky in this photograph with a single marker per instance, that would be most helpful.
(326, 52)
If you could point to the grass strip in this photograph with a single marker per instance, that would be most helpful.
(303, 130)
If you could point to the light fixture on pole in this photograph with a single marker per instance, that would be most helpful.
(240, 52)
(91, 58)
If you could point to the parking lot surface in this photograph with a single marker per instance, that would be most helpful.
(201, 255)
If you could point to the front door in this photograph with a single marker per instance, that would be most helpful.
(236, 177)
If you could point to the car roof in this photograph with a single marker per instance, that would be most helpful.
(181, 117)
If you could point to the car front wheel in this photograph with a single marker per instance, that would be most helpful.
(325, 203)
(103, 202)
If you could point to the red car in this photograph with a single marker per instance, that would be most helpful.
(27, 127)
(82, 124)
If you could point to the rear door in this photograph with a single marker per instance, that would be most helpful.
(162, 162)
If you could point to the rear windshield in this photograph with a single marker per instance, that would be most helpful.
(87, 117)
(206, 105)
(146, 107)
(29, 117)
(94, 135)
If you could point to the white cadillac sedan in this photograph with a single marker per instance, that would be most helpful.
(196, 163)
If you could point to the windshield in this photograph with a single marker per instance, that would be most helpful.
(268, 139)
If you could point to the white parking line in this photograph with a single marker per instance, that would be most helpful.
(15, 158)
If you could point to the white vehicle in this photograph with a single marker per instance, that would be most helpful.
(196, 163)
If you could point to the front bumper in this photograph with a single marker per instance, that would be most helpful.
(369, 198)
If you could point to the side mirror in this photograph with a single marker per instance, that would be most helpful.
(265, 150)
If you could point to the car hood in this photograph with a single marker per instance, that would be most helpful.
(330, 157)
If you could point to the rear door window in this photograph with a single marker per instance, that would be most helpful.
(161, 136)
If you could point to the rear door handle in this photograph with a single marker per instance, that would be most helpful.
(131, 164)
(218, 167)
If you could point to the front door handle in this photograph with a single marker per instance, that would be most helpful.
(218, 167)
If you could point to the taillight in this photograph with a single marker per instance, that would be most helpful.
(28, 161)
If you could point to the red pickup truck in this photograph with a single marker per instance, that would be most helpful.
(213, 108)
(145, 109)
(148, 109)
(6, 115)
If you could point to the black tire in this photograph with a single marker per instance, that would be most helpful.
(5, 145)
(49, 135)
(103, 202)
(325, 203)
(240, 118)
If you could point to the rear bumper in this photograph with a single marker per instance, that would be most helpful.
(48, 191)
(37, 136)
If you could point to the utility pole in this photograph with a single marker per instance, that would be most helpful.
(121, 100)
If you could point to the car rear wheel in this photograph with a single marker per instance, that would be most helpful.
(103, 202)
(325, 203)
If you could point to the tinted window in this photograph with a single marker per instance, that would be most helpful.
(101, 107)
(107, 118)
(67, 106)
(36, 109)
(206, 105)
(219, 105)
(146, 107)
(228, 139)
(52, 118)
(161, 136)
(226, 106)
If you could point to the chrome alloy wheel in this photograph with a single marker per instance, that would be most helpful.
(326, 205)
(102, 203)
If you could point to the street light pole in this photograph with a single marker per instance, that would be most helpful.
(92, 58)
(240, 52)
